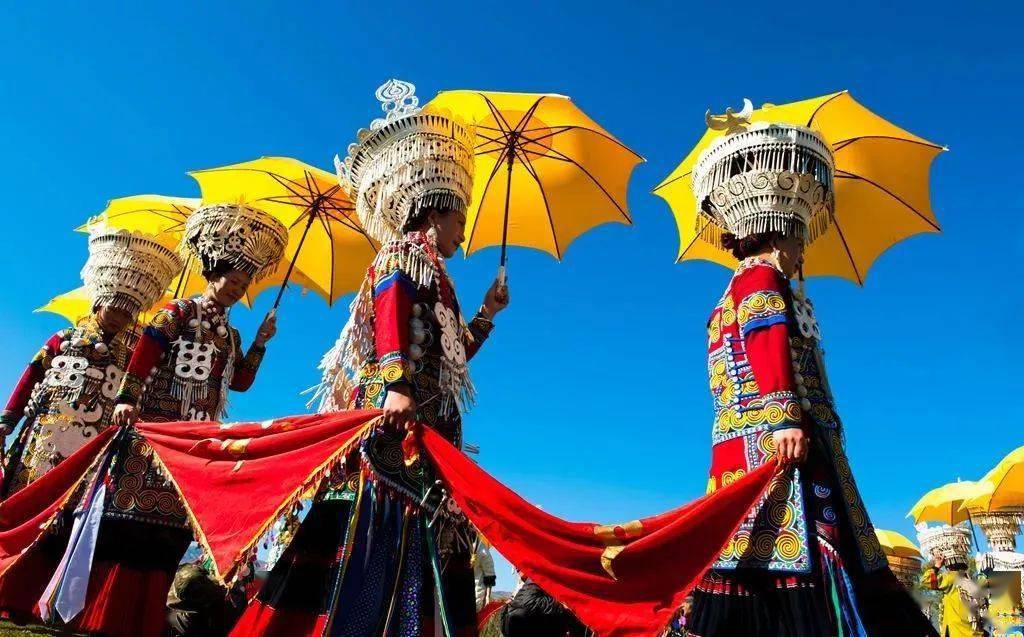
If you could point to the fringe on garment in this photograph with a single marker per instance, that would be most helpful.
(341, 364)
(355, 346)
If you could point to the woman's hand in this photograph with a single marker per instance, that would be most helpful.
(124, 415)
(267, 330)
(496, 299)
(791, 444)
(399, 407)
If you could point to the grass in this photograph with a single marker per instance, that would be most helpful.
(7, 629)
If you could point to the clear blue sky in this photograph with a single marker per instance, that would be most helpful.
(593, 396)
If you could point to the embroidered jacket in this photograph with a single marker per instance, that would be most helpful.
(67, 393)
(407, 328)
(767, 373)
(190, 365)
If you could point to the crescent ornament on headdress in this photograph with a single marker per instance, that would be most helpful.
(731, 121)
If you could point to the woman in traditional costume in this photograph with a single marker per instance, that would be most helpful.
(962, 598)
(806, 561)
(377, 555)
(183, 366)
(68, 391)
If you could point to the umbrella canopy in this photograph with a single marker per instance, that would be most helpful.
(163, 218)
(881, 187)
(943, 504)
(328, 245)
(159, 216)
(545, 172)
(1002, 487)
(77, 304)
(897, 545)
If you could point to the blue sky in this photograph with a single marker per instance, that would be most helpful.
(593, 396)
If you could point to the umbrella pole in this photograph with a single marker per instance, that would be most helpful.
(291, 266)
(185, 273)
(974, 532)
(504, 226)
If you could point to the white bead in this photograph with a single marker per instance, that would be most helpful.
(101, 347)
(64, 345)
(193, 323)
(799, 378)
(28, 412)
(222, 331)
(801, 391)
(79, 342)
(806, 404)
(206, 325)
(417, 309)
(153, 371)
(416, 352)
(416, 324)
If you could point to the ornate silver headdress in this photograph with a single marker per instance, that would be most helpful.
(406, 160)
(243, 237)
(953, 543)
(764, 177)
(126, 270)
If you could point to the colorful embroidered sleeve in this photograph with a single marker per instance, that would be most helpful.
(477, 332)
(155, 341)
(33, 373)
(393, 294)
(247, 365)
(762, 296)
(936, 581)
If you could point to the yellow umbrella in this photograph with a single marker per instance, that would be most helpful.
(1002, 487)
(943, 504)
(896, 544)
(77, 304)
(545, 173)
(881, 187)
(156, 215)
(331, 250)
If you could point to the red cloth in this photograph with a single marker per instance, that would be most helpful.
(484, 615)
(125, 602)
(25, 515)
(265, 621)
(237, 479)
(663, 556)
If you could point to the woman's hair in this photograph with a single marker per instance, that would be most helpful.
(750, 244)
(418, 217)
(222, 268)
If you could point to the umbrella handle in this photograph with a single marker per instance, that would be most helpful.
(502, 276)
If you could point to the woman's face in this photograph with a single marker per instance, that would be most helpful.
(112, 320)
(451, 231)
(791, 254)
(228, 288)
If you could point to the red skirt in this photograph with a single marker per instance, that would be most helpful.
(125, 602)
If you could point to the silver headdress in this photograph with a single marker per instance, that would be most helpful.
(236, 235)
(406, 160)
(953, 543)
(126, 270)
(764, 177)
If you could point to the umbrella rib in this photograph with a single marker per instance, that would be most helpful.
(483, 196)
(587, 130)
(679, 259)
(846, 175)
(528, 115)
(497, 114)
(853, 264)
(586, 172)
(821, 106)
(673, 180)
(528, 165)
(841, 144)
